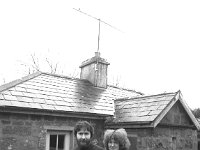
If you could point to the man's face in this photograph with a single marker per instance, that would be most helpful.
(83, 137)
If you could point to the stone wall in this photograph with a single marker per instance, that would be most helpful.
(163, 139)
(28, 132)
(177, 116)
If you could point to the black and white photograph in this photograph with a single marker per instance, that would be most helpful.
(99, 75)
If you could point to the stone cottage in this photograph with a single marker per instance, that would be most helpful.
(156, 122)
(39, 111)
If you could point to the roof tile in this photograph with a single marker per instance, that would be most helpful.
(27, 94)
(16, 93)
(21, 89)
(154, 112)
(24, 99)
(152, 117)
(39, 100)
(5, 103)
(61, 103)
(161, 107)
(42, 96)
(1, 96)
(50, 102)
(49, 107)
(35, 105)
(10, 97)
(63, 108)
(20, 104)
(6, 93)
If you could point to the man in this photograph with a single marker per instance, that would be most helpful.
(83, 131)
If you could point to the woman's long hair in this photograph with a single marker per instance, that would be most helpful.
(119, 135)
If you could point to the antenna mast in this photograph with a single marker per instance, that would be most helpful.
(99, 35)
(99, 20)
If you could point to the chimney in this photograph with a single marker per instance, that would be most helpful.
(95, 70)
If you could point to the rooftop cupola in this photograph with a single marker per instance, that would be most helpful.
(95, 70)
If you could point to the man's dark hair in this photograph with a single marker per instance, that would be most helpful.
(83, 124)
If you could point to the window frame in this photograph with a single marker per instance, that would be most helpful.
(58, 131)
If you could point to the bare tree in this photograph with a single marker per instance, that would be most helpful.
(38, 64)
(53, 68)
(46, 64)
(196, 112)
(35, 63)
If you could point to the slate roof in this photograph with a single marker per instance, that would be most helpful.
(145, 108)
(44, 91)
(148, 109)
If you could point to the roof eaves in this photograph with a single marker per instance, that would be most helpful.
(60, 76)
(67, 77)
(126, 89)
(18, 81)
(143, 96)
(44, 112)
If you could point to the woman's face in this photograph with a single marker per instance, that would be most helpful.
(113, 145)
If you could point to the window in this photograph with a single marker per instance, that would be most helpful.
(59, 139)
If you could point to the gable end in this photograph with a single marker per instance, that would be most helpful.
(177, 116)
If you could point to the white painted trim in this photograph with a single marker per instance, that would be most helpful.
(60, 128)
(67, 130)
(67, 141)
(47, 141)
(187, 109)
(177, 97)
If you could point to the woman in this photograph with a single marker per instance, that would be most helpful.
(116, 140)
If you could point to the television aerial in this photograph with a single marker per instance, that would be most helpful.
(100, 21)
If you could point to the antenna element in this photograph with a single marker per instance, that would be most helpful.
(99, 20)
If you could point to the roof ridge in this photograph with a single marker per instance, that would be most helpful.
(64, 76)
(145, 96)
(58, 75)
(18, 81)
(127, 89)
(68, 77)
(30, 76)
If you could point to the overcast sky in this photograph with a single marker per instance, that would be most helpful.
(155, 51)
